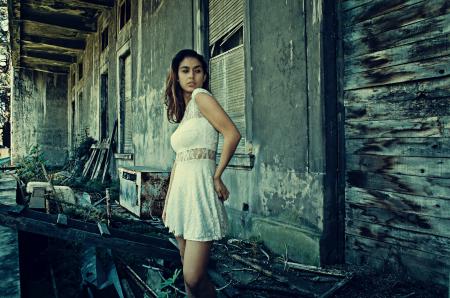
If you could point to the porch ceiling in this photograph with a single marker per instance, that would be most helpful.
(48, 35)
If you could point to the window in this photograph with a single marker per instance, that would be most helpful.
(103, 106)
(227, 63)
(80, 70)
(104, 39)
(124, 13)
(125, 106)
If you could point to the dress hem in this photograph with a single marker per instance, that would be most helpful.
(202, 239)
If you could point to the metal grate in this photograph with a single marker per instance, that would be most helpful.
(223, 17)
(228, 87)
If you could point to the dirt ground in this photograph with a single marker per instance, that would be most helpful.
(64, 259)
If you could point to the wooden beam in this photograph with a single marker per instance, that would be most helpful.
(14, 30)
(79, 231)
(66, 59)
(44, 68)
(83, 4)
(61, 43)
(60, 20)
(97, 4)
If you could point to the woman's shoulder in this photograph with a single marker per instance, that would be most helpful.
(200, 90)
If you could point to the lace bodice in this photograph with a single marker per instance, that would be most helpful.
(194, 132)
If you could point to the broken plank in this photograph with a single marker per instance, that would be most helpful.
(271, 274)
(62, 220)
(315, 269)
(103, 229)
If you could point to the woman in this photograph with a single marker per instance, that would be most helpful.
(194, 210)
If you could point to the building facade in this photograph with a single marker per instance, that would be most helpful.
(343, 112)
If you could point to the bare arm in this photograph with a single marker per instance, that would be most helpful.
(214, 113)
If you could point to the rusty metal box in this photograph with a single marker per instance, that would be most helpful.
(143, 190)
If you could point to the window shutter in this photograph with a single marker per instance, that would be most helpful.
(224, 16)
(128, 129)
(228, 87)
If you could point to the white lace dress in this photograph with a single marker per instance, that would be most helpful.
(193, 209)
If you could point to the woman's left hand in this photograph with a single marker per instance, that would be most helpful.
(221, 189)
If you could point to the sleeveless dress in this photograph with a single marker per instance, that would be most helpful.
(193, 209)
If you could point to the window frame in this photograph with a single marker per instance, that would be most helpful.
(239, 160)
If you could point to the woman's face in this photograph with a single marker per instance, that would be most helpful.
(191, 74)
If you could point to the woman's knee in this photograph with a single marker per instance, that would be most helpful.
(192, 280)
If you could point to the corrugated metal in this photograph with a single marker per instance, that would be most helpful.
(128, 129)
(224, 16)
(228, 87)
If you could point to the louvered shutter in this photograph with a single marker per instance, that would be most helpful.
(223, 16)
(128, 123)
(228, 87)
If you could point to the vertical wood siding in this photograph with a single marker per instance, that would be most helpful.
(396, 78)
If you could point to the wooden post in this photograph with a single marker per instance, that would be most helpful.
(108, 207)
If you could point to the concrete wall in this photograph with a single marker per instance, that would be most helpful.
(39, 114)
(152, 38)
(285, 189)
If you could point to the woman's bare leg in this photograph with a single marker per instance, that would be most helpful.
(196, 257)
(181, 246)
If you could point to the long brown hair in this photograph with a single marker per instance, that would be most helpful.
(173, 97)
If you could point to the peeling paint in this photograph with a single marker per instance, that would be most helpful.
(291, 196)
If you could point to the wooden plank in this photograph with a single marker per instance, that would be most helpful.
(89, 162)
(356, 44)
(417, 127)
(399, 237)
(407, 91)
(421, 265)
(374, 9)
(78, 23)
(427, 147)
(421, 107)
(350, 4)
(414, 185)
(399, 219)
(416, 166)
(421, 205)
(419, 51)
(434, 68)
(50, 229)
(397, 18)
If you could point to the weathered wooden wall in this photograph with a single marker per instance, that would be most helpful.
(395, 90)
